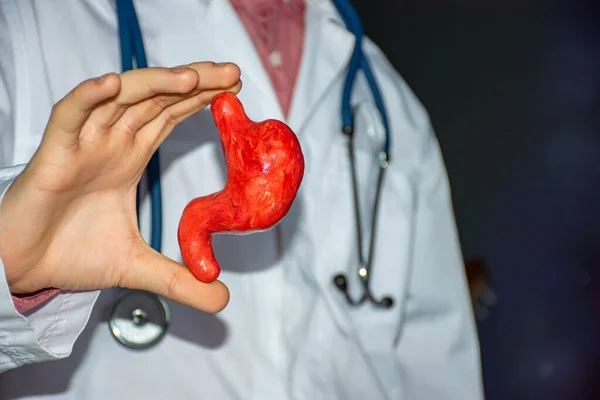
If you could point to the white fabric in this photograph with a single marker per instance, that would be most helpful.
(52, 329)
(287, 332)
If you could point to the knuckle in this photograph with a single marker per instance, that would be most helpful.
(158, 102)
(75, 96)
(170, 118)
(203, 99)
(131, 124)
(151, 89)
(146, 144)
(82, 90)
(118, 105)
(57, 108)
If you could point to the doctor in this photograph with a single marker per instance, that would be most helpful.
(75, 138)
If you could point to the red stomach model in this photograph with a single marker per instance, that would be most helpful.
(265, 167)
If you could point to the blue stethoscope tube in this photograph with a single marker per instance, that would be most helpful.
(132, 49)
(359, 61)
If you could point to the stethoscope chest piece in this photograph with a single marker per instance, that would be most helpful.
(139, 319)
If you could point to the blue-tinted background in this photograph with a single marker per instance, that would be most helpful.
(513, 89)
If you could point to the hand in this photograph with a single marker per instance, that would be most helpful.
(69, 219)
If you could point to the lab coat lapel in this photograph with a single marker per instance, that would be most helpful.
(327, 50)
(231, 43)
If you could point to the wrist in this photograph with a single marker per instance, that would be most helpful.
(4, 187)
(11, 271)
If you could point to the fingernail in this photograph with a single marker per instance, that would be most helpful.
(178, 69)
(221, 64)
(101, 78)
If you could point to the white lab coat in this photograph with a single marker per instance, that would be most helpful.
(287, 332)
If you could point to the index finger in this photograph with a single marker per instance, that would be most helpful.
(149, 83)
(138, 85)
(216, 76)
(141, 84)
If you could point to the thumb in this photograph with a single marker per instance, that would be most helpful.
(158, 274)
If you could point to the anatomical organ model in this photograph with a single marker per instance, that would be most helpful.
(265, 167)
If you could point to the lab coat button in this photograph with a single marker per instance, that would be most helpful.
(140, 319)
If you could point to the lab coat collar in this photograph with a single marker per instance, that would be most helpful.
(328, 41)
(232, 43)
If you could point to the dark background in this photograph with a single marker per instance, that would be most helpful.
(513, 90)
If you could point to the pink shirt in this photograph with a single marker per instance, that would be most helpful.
(277, 31)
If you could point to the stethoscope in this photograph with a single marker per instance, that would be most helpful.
(140, 319)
